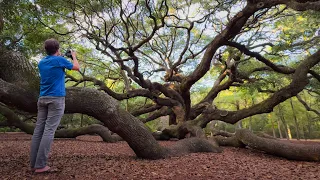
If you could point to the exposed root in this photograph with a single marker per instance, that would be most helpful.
(302, 152)
(228, 141)
(270, 145)
(193, 145)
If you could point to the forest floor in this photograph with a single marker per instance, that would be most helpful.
(89, 158)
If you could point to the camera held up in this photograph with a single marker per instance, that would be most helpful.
(68, 54)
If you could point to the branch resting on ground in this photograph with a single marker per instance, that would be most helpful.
(103, 132)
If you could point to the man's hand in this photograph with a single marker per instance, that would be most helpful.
(76, 65)
(74, 54)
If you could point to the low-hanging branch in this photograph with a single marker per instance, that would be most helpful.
(130, 94)
(118, 96)
(164, 111)
(145, 110)
(14, 120)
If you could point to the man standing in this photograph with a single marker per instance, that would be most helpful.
(51, 102)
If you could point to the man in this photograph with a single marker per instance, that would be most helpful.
(51, 102)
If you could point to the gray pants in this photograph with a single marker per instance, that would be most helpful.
(50, 112)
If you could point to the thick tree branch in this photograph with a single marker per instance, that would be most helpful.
(303, 5)
(4, 124)
(280, 69)
(118, 96)
(315, 75)
(145, 110)
(245, 50)
(130, 94)
(164, 111)
(298, 5)
(306, 105)
(14, 120)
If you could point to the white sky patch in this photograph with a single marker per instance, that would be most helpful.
(36, 58)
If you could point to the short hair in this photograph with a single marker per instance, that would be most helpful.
(51, 46)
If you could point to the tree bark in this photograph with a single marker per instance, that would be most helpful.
(98, 129)
(15, 69)
(172, 119)
(228, 141)
(84, 85)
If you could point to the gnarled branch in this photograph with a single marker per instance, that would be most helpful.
(307, 106)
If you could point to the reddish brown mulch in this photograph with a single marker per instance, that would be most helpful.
(87, 158)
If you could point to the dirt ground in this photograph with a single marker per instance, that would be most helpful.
(89, 158)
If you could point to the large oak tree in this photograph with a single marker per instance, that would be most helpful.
(147, 39)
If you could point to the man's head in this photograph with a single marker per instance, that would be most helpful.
(51, 46)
